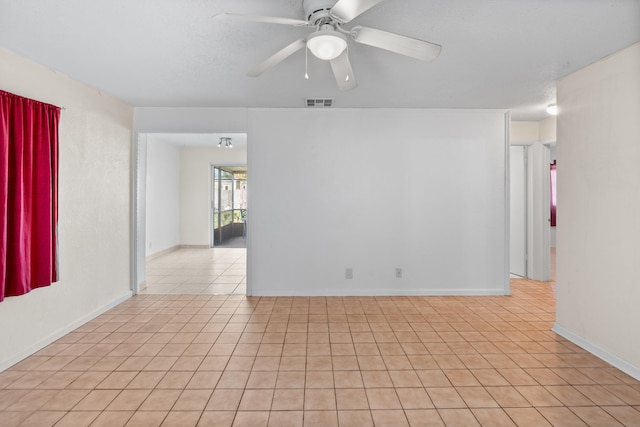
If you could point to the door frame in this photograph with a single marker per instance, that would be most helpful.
(211, 195)
(138, 210)
(138, 214)
(538, 212)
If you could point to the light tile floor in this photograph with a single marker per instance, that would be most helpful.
(217, 271)
(212, 360)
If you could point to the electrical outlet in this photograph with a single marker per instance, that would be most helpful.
(348, 273)
(398, 273)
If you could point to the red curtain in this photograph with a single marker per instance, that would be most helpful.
(28, 194)
(553, 194)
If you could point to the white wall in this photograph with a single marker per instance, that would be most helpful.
(377, 189)
(195, 193)
(598, 254)
(94, 210)
(190, 120)
(527, 133)
(524, 133)
(162, 195)
(548, 130)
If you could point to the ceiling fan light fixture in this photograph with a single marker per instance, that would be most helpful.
(327, 44)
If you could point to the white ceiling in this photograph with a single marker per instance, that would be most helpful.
(504, 54)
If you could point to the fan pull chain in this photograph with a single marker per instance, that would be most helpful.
(306, 62)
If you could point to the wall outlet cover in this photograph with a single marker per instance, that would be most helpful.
(348, 273)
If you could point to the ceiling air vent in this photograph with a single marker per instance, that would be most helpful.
(319, 102)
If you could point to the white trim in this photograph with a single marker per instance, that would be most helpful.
(507, 204)
(133, 258)
(164, 252)
(600, 352)
(138, 228)
(7, 363)
(376, 292)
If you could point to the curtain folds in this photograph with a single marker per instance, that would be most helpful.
(28, 194)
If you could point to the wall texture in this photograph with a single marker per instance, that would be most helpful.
(598, 236)
(94, 210)
(376, 190)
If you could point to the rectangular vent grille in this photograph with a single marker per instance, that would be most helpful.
(319, 102)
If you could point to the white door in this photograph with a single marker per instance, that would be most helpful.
(518, 210)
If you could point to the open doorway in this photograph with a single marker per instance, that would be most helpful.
(529, 215)
(518, 198)
(229, 206)
(553, 203)
(173, 216)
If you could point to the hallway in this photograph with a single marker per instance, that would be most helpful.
(217, 271)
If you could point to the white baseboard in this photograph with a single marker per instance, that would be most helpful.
(7, 363)
(594, 349)
(174, 248)
(162, 252)
(374, 292)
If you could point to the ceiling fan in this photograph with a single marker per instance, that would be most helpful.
(329, 40)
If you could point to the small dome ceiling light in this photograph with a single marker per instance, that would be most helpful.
(225, 142)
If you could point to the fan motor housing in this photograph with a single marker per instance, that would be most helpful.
(315, 11)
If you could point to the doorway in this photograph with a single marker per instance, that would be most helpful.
(529, 227)
(518, 211)
(229, 206)
(553, 203)
(176, 257)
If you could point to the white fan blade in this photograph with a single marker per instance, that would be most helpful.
(343, 72)
(265, 19)
(276, 58)
(345, 10)
(403, 45)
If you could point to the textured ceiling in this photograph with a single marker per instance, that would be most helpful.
(504, 54)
